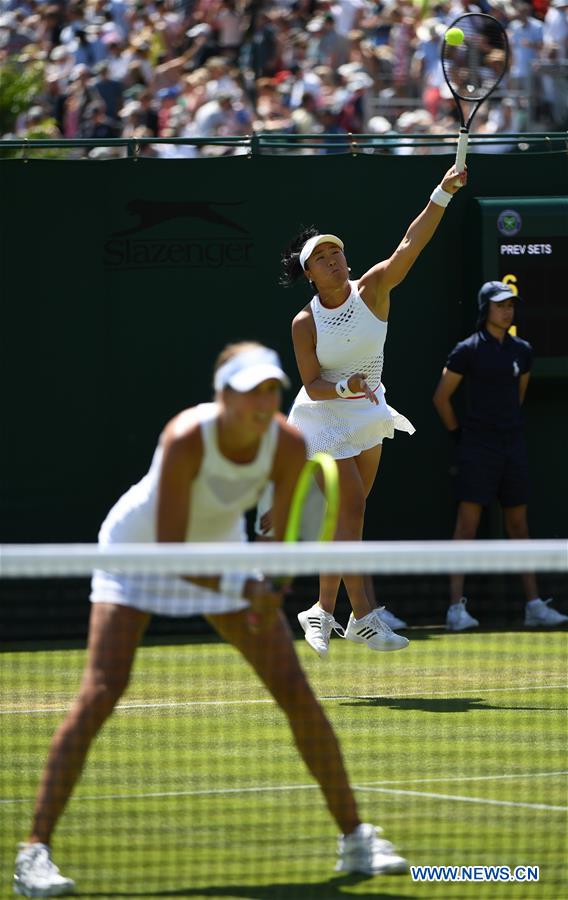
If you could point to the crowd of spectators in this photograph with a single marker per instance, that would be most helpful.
(201, 68)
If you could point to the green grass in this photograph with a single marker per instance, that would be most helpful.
(194, 789)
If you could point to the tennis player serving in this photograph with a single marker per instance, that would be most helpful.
(210, 465)
(339, 340)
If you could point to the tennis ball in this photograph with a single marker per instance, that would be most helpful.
(454, 36)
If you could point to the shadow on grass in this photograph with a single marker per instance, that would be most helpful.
(327, 890)
(437, 704)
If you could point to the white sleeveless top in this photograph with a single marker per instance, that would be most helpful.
(349, 338)
(221, 493)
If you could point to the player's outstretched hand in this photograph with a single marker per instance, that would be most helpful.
(358, 384)
(265, 601)
(453, 180)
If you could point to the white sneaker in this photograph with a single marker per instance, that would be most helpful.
(538, 612)
(364, 851)
(390, 619)
(317, 625)
(36, 875)
(458, 618)
(374, 632)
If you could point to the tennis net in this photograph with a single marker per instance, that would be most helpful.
(194, 787)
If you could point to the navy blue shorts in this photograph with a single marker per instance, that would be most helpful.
(493, 466)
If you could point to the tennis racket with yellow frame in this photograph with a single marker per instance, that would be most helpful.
(330, 477)
(330, 481)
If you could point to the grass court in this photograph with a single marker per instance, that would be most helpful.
(456, 746)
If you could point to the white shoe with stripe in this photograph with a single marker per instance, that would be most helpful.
(374, 631)
(318, 625)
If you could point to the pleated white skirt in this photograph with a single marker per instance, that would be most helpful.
(345, 428)
(160, 594)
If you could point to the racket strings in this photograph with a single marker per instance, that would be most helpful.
(475, 67)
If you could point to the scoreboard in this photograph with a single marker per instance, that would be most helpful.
(524, 242)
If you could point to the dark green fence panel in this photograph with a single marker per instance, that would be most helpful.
(122, 280)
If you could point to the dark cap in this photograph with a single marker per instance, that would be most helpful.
(492, 292)
(495, 292)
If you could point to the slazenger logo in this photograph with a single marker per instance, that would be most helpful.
(133, 248)
(509, 222)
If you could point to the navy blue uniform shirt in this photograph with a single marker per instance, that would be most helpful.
(491, 371)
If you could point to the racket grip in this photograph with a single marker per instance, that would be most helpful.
(461, 152)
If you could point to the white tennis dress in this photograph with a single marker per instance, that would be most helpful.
(220, 495)
(350, 338)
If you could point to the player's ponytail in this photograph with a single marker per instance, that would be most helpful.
(291, 268)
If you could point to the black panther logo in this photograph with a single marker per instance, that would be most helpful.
(154, 212)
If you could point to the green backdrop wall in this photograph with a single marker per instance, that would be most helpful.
(122, 280)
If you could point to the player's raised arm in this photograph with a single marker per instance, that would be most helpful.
(384, 276)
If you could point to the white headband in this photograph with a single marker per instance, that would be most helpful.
(313, 242)
(247, 370)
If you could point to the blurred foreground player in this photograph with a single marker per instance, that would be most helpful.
(211, 464)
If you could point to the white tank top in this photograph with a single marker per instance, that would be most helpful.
(350, 339)
(220, 494)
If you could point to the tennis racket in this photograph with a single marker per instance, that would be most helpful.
(328, 524)
(328, 467)
(474, 68)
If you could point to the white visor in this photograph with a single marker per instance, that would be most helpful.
(313, 242)
(247, 370)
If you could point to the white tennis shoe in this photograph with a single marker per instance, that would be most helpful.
(318, 625)
(538, 612)
(374, 631)
(458, 618)
(36, 875)
(391, 620)
(363, 851)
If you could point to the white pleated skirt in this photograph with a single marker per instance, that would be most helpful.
(161, 595)
(345, 428)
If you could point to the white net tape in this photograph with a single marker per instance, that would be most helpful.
(380, 557)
